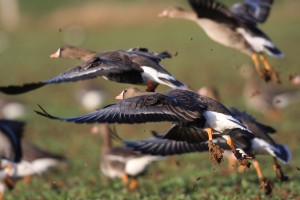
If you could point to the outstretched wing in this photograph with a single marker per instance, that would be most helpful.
(139, 109)
(214, 10)
(252, 11)
(86, 70)
(89, 70)
(19, 89)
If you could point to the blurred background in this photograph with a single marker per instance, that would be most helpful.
(32, 30)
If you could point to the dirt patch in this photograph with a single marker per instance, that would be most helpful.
(216, 153)
(266, 186)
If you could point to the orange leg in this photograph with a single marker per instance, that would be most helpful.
(209, 133)
(151, 86)
(257, 168)
(125, 179)
(270, 69)
(1, 195)
(231, 163)
(133, 184)
(256, 64)
(27, 179)
(230, 143)
(279, 172)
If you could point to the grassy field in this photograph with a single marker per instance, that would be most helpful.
(199, 62)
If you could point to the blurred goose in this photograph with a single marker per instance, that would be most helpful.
(11, 133)
(120, 161)
(132, 66)
(267, 99)
(40, 160)
(182, 107)
(234, 27)
(90, 96)
(11, 109)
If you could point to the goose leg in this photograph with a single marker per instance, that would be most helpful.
(279, 173)
(125, 179)
(133, 184)
(255, 60)
(26, 179)
(151, 86)
(231, 163)
(216, 153)
(269, 69)
(265, 184)
(243, 160)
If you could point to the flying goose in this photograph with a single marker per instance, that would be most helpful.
(262, 143)
(234, 27)
(179, 140)
(134, 66)
(182, 107)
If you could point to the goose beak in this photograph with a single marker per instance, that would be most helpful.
(163, 14)
(120, 96)
(56, 54)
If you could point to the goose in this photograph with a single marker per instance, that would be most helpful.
(133, 66)
(21, 159)
(267, 99)
(122, 162)
(179, 140)
(183, 107)
(234, 27)
(11, 133)
(262, 143)
(38, 161)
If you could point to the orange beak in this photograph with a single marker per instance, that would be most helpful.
(55, 55)
(120, 96)
(163, 14)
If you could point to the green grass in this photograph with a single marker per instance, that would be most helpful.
(199, 62)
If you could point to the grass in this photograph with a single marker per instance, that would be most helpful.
(199, 62)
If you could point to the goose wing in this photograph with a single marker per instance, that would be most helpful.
(252, 11)
(90, 69)
(214, 10)
(140, 109)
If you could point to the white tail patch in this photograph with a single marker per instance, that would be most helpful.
(154, 75)
(220, 122)
(256, 42)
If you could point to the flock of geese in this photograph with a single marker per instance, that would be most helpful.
(200, 123)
